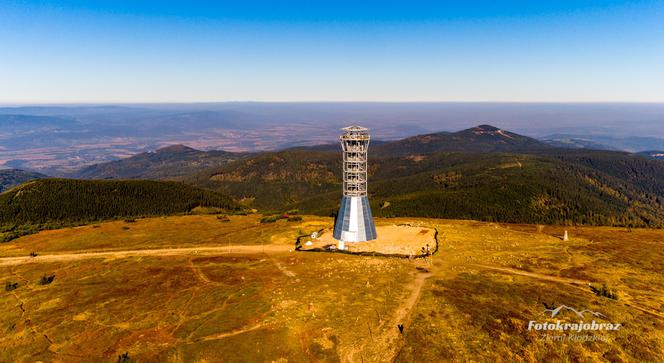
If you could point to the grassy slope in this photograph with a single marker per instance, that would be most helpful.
(333, 307)
(468, 310)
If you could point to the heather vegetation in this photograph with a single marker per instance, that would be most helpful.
(197, 289)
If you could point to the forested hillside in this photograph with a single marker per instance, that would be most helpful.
(274, 180)
(55, 202)
(483, 173)
(518, 188)
(552, 186)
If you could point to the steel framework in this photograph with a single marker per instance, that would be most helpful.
(354, 220)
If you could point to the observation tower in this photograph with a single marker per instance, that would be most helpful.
(354, 221)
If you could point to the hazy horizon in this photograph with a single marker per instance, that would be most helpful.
(56, 138)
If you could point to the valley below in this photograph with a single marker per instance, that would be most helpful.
(201, 288)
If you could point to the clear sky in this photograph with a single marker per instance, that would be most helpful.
(190, 51)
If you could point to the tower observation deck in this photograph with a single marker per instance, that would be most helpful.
(354, 221)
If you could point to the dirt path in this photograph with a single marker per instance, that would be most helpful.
(405, 311)
(389, 338)
(231, 333)
(161, 252)
(281, 268)
(513, 271)
(197, 271)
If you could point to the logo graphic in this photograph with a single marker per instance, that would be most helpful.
(560, 330)
(580, 314)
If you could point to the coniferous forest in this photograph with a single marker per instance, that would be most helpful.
(51, 203)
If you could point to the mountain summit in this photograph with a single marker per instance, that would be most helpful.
(482, 138)
(176, 149)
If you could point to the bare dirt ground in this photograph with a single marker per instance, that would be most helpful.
(392, 239)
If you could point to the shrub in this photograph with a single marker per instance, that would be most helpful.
(17, 234)
(605, 291)
(47, 280)
(294, 218)
(11, 286)
(270, 219)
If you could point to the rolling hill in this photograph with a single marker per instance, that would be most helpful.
(165, 163)
(18, 123)
(482, 138)
(47, 203)
(274, 180)
(483, 173)
(603, 142)
(12, 177)
(527, 183)
(576, 143)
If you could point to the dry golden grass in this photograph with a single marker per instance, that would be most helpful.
(164, 232)
(269, 304)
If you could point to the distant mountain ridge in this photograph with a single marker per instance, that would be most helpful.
(518, 180)
(175, 161)
(19, 123)
(166, 163)
(482, 138)
(484, 173)
(574, 143)
(655, 154)
(601, 142)
(12, 177)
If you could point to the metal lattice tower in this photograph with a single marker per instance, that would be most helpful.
(355, 144)
(354, 221)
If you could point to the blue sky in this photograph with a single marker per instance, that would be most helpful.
(177, 51)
